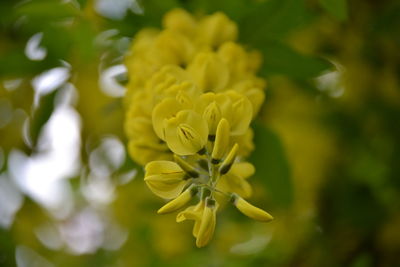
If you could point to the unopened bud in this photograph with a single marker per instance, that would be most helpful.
(249, 210)
(229, 160)
(221, 141)
(178, 202)
(208, 221)
(189, 169)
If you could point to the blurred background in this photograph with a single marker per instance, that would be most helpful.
(327, 140)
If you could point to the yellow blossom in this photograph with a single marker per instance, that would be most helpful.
(208, 221)
(191, 96)
(251, 211)
(181, 21)
(165, 178)
(186, 133)
(221, 141)
(194, 213)
(178, 202)
(217, 29)
(209, 72)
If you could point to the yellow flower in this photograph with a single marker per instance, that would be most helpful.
(242, 113)
(217, 29)
(235, 57)
(144, 145)
(212, 114)
(186, 133)
(213, 108)
(178, 202)
(253, 89)
(221, 141)
(144, 150)
(209, 72)
(165, 178)
(194, 213)
(208, 221)
(204, 216)
(173, 48)
(232, 106)
(181, 21)
(251, 211)
(229, 160)
(245, 142)
(167, 109)
(191, 96)
(186, 166)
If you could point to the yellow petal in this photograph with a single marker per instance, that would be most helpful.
(191, 213)
(168, 72)
(186, 166)
(221, 100)
(235, 58)
(178, 202)
(229, 160)
(245, 142)
(180, 20)
(209, 72)
(187, 133)
(217, 29)
(251, 211)
(166, 109)
(231, 183)
(207, 226)
(242, 169)
(242, 113)
(212, 114)
(144, 150)
(173, 47)
(165, 178)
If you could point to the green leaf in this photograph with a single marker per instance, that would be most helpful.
(337, 8)
(272, 166)
(44, 10)
(281, 59)
(273, 19)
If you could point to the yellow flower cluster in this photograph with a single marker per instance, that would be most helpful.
(191, 97)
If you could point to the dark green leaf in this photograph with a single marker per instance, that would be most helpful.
(273, 19)
(272, 166)
(281, 59)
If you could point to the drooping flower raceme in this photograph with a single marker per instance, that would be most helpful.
(191, 97)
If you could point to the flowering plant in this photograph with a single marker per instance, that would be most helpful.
(192, 94)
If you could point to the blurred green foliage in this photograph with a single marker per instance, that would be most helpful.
(327, 149)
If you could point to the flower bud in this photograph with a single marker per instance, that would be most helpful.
(221, 141)
(249, 210)
(179, 20)
(189, 169)
(208, 221)
(217, 29)
(229, 160)
(178, 202)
